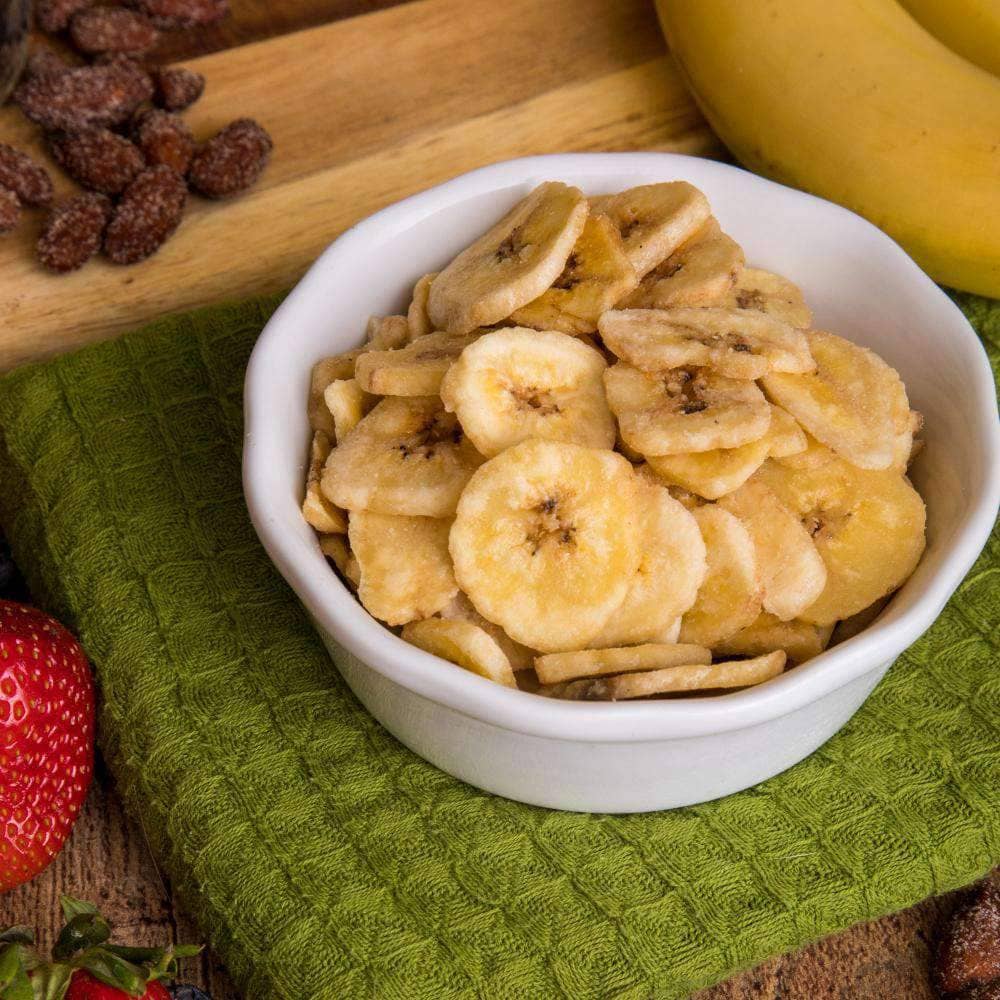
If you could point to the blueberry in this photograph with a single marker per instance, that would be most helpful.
(184, 991)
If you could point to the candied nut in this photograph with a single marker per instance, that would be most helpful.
(969, 950)
(146, 216)
(54, 15)
(176, 87)
(232, 161)
(113, 29)
(183, 13)
(73, 230)
(29, 181)
(164, 138)
(46, 62)
(97, 158)
(10, 210)
(86, 97)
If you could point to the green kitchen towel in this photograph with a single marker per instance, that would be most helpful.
(323, 859)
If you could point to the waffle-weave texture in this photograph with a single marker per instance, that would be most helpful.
(323, 859)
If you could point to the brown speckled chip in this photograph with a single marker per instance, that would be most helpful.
(19, 172)
(146, 216)
(72, 233)
(164, 138)
(97, 158)
(112, 29)
(177, 88)
(87, 97)
(232, 161)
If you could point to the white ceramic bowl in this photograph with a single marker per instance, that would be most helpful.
(656, 754)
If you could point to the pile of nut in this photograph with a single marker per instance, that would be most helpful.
(113, 126)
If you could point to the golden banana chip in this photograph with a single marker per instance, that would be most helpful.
(325, 371)
(316, 508)
(386, 333)
(771, 294)
(555, 667)
(417, 319)
(414, 370)
(800, 641)
(460, 608)
(464, 644)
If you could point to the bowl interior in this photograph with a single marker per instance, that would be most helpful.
(857, 281)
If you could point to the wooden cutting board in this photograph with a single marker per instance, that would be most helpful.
(363, 112)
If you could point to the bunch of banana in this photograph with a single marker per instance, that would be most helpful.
(854, 101)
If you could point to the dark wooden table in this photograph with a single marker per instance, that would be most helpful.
(107, 859)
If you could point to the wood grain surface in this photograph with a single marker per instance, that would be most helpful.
(366, 109)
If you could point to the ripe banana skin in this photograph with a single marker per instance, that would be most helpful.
(969, 27)
(854, 101)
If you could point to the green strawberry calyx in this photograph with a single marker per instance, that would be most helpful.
(84, 944)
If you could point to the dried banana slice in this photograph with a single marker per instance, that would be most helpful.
(464, 644)
(511, 264)
(386, 333)
(516, 384)
(552, 668)
(654, 219)
(415, 370)
(460, 608)
(673, 680)
(734, 344)
(347, 403)
(546, 541)
(729, 598)
(408, 456)
(792, 572)
(851, 402)
(867, 525)
(799, 640)
(857, 623)
(771, 294)
(684, 410)
(597, 274)
(784, 436)
(699, 273)
(417, 319)
(325, 371)
(671, 569)
(316, 508)
(906, 446)
(406, 571)
(336, 549)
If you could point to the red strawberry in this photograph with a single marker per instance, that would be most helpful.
(83, 986)
(46, 739)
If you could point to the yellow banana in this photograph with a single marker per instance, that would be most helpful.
(854, 101)
(969, 27)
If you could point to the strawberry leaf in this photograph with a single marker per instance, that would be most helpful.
(113, 971)
(50, 982)
(17, 935)
(73, 907)
(14, 981)
(83, 931)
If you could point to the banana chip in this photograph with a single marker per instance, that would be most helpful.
(597, 274)
(672, 680)
(552, 668)
(512, 264)
(386, 333)
(406, 571)
(415, 370)
(546, 541)
(800, 641)
(460, 608)
(408, 456)
(665, 585)
(685, 410)
(771, 294)
(853, 402)
(516, 384)
(339, 367)
(417, 318)
(654, 219)
(316, 509)
(735, 344)
(868, 527)
(347, 403)
(336, 549)
(464, 644)
(701, 272)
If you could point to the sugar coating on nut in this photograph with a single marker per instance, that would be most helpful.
(113, 29)
(164, 138)
(183, 13)
(87, 97)
(10, 210)
(72, 233)
(147, 214)
(54, 15)
(232, 161)
(97, 158)
(176, 87)
(19, 172)
(45, 62)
